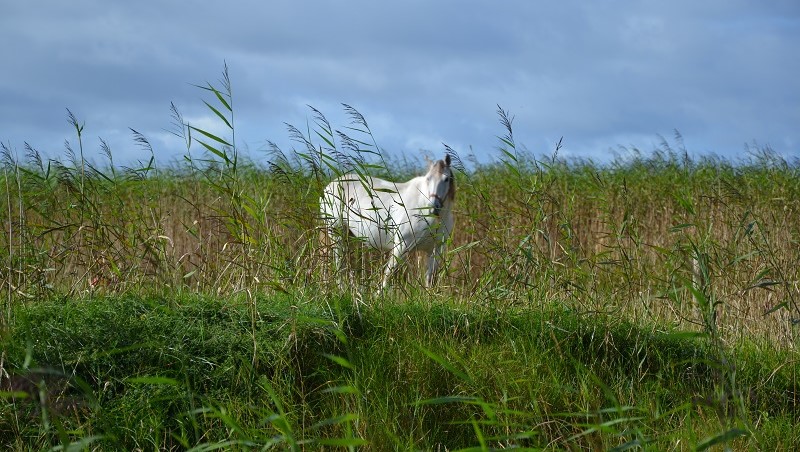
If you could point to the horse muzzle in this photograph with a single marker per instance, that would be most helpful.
(436, 203)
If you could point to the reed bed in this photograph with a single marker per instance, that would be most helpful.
(627, 237)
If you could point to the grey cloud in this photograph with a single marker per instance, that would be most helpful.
(720, 72)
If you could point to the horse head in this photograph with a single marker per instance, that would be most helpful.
(440, 184)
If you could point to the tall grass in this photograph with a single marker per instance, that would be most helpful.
(620, 237)
(647, 244)
(623, 237)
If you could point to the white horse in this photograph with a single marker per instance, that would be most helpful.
(393, 216)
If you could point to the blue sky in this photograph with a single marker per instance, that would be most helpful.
(607, 76)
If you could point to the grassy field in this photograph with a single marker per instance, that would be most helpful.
(649, 303)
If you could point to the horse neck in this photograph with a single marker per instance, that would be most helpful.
(414, 187)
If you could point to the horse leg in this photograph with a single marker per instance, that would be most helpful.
(345, 270)
(337, 243)
(333, 254)
(430, 274)
(338, 262)
(398, 254)
(433, 265)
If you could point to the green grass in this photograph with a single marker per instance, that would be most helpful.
(649, 303)
(169, 373)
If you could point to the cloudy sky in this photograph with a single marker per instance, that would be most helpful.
(605, 75)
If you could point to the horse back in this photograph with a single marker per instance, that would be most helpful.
(362, 206)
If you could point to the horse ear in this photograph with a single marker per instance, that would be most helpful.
(447, 159)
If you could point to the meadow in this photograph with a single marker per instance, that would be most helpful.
(646, 303)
